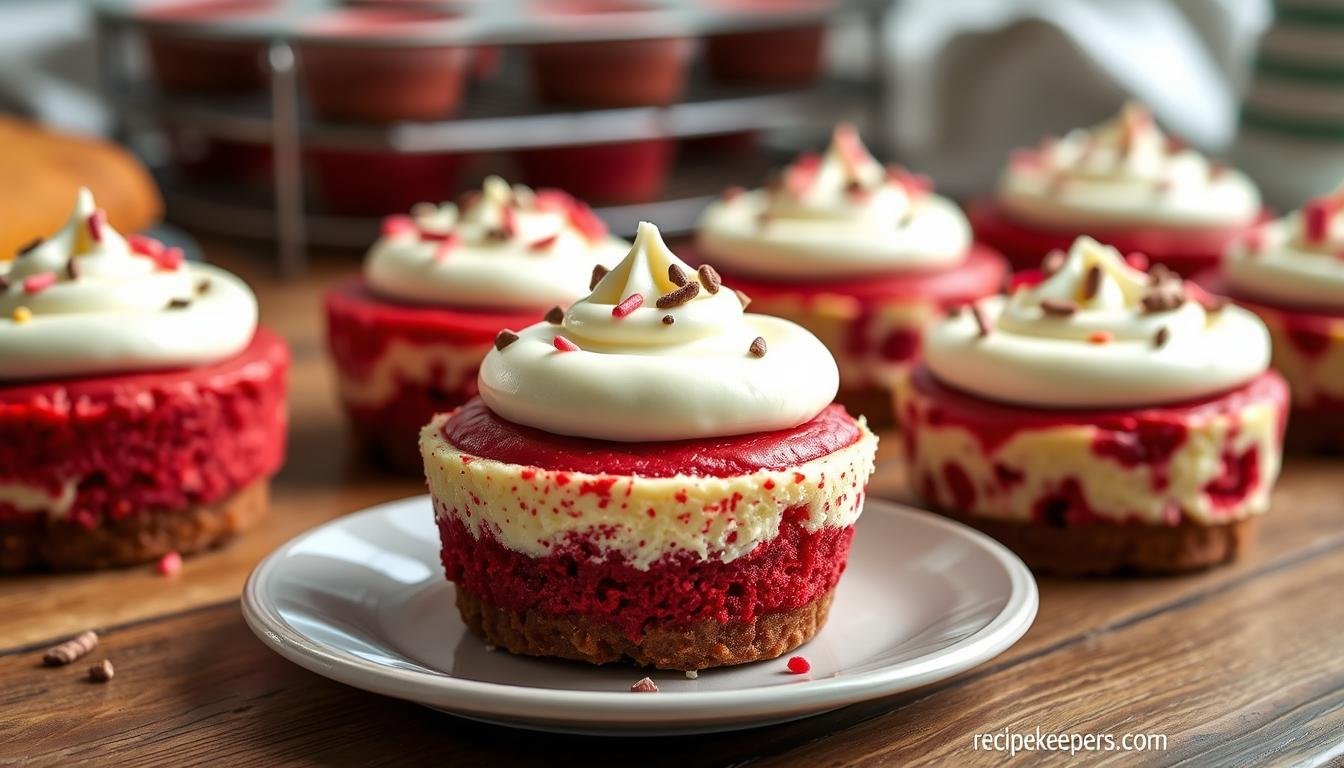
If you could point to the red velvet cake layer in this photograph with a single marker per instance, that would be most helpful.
(476, 430)
(789, 571)
(148, 441)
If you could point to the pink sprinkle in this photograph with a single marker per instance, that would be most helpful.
(553, 200)
(445, 247)
(799, 665)
(582, 218)
(169, 565)
(632, 302)
(798, 177)
(144, 246)
(565, 345)
(1316, 215)
(544, 243)
(39, 282)
(846, 140)
(915, 184)
(95, 223)
(509, 224)
(1137, 261)
(170, 259)
(397, 224)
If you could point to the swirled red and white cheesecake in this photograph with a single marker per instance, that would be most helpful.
(408, 335)
(1100, 419)
(863, 256)
(142, 411)
(1289, 272)
(1125, 183)
(656, 476)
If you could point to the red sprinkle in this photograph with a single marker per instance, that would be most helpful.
(39, 282)
(632, 302)
(914, 184)
(435, 235)
(398, 224)
(544, 243)
(1100, 337)
(847, 141)
(96, 221)
(565, 345)
(1316, 215)
(169, 259)
(144, 246)
(445, 246)
(552, 200)
(799, 665)
(590, 224)
(1138, 261)
(169, 564)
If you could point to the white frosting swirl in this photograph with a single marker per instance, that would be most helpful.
(1297, 260)
(1124, 172)
(86, 302)
(635, 377)
(1111, 351)
(836, 215)
(507, 248)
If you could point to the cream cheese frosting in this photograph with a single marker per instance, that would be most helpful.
(1295, 260)
(835, 215)
(505, 247)
(658, 351)
(86, 301)
(1124, 172)
(1098, 333)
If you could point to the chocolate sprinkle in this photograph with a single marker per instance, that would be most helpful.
(1160, 338)
(744, 298)
(504, 339)
(757, 348)
(599, 272)
(27, 249)
(72, 269)
(668, 319)
(179, 303)
(555, 316)
(1058, 307)
(981, 322)
(1092, 282)
(678, 297)
(1163, 298)
(102, 671)
(676, 274)
(709, 278)
(203, 286)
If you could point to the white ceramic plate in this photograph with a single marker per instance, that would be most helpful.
(362, 600)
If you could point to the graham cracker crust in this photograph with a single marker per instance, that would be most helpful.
(1113, 550)
(43, 542)
(699, 646)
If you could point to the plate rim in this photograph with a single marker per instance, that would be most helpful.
(549, 705)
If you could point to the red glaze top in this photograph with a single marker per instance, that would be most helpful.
(476, 430)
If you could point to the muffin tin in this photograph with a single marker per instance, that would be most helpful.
(463, 97)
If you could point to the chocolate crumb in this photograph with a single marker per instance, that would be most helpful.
(30, 247)
(676, 274)
(1160, 338)
(744, 298)
(504, 338)
(644, 685)
(678, 297)
(954, 311)
(203, 287)
(599, 272)
(669, 320)
(72, 269)
(179, 303)
(981, 322)
(70, 650)
(709, 278)
(1092, 282)
(757, 348)
(1163, 298)
(1058, 307)
(555, 315)
(102, 671)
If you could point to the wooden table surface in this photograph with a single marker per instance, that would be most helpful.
(1240, 665)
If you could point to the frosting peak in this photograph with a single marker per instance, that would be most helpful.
(1296, 260)
(87, 300)
(836, 214)
(500, 247)
(658, 351)
(1125, 171)
(1099, 332)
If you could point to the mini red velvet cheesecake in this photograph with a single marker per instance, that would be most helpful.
(142, 411)
(1290, 273)
(660, 478)
(1102, 420)
(408, 335)
(1126, 184)
(865, 257)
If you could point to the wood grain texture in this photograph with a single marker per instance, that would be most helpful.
(1236, 665)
